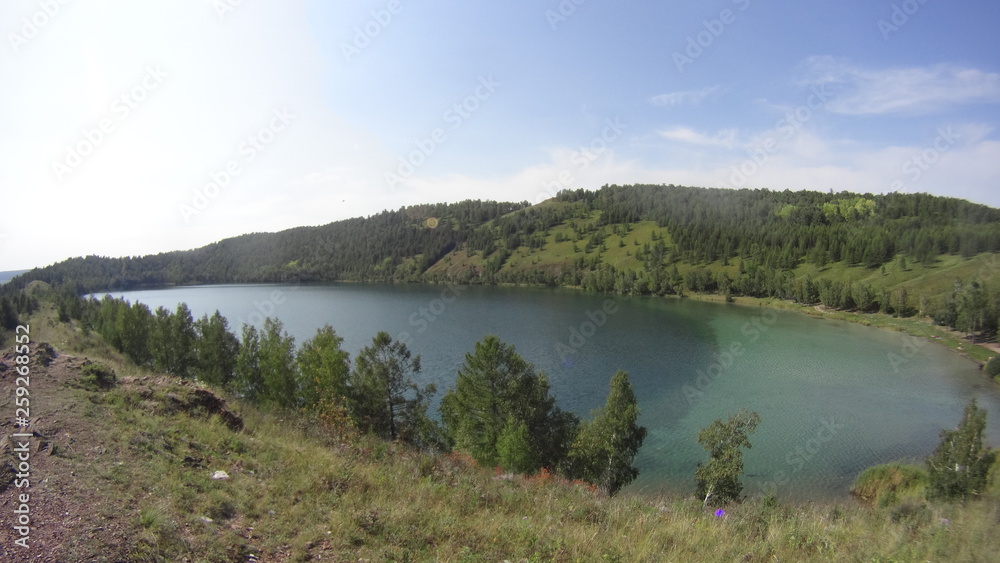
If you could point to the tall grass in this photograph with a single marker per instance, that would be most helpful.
(294, 494)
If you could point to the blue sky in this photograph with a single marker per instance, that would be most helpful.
(130, 127)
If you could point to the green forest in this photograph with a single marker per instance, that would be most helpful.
(899, 254)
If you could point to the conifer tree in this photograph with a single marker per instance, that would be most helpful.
(277, 365)
(497, 388)
(384, 399)
(323, 367)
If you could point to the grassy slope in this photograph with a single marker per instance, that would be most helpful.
(919, 280)
(299, 493)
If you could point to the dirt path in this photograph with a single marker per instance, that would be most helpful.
(70, 519)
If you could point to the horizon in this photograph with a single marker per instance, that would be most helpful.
(131, 130)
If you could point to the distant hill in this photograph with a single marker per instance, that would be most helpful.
(10, 274)
(894, 253)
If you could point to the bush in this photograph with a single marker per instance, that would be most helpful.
(98, 377)
(45, 353)
(884, 484)
(992, 367)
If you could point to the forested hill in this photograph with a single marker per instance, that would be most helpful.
(352, 249)
(842, 249)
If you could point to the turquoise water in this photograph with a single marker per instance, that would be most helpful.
(833, 397)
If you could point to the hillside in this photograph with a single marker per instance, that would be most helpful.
(638, 228)
(903, 255)
(124, 472)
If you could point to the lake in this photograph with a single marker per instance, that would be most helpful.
(833, 397)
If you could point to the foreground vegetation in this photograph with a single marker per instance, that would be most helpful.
(308, 484)
(500, 411)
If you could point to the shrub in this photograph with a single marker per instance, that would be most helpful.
(888, 481)
(98, 377)
(45, 353)
(992, 367)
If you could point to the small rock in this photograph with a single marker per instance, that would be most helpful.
(206, 520)
(220, 475)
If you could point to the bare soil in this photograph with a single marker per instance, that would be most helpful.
(75, 514)
(70, 519)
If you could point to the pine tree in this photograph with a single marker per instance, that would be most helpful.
(960, 464)
(323, 367)
(172, 341)
(159, 345)
(514, 451)
(277, 365)
(182, 338)
(135, 328)
(495, 386)
(8, 314)
(383, 396)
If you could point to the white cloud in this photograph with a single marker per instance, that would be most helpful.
(683, 97)
(725, 138)
(909, 91)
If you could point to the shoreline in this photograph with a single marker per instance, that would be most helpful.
(918, 327)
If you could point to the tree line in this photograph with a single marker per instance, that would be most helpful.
(12, 308)
(767, 231)
(763, 234)
(393, 245)
(500, 410)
